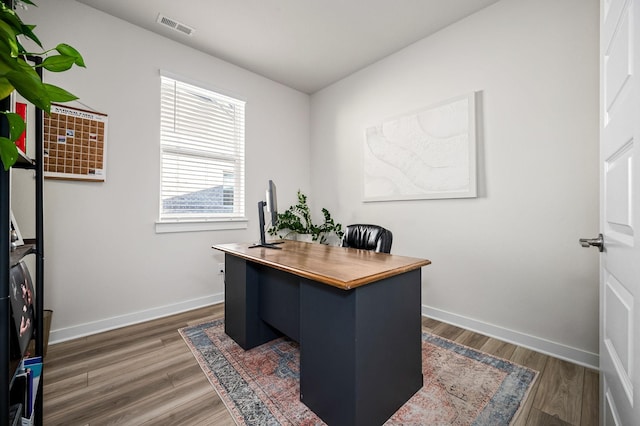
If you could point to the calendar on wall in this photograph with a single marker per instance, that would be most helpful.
(75, 143)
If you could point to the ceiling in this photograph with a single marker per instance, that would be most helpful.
(303, 44)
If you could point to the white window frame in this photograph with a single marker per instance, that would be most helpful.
(175, 156)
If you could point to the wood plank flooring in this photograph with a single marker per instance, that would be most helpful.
(145, 375)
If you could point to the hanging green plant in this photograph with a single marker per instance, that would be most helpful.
(297, 219)
(17, 73)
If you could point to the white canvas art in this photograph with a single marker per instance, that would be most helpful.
(427, 154)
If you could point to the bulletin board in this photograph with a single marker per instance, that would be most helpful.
(75, 144)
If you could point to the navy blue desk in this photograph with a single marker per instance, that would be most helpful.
(355, 313)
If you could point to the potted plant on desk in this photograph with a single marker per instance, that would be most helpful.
(296, 223)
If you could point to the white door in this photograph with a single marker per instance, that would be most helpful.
(620, 212)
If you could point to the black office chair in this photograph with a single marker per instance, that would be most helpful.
(368, 237)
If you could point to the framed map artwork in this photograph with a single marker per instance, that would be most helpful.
(75, 143)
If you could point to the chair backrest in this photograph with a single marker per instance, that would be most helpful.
(368, 237)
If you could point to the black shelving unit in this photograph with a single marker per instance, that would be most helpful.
(9, 258)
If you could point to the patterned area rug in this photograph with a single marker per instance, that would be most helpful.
(462, 386)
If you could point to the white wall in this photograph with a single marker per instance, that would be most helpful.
(507, 263)
(105, 265)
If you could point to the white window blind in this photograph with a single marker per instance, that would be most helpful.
(202, 144)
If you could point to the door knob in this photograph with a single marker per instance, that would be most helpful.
(595, 242)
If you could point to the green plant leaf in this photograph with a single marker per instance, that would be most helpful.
(7, 62)
(66, 50)
(17, 74)
(8, 36)
(21, 48)
(5, 88)
(16, 125)
(58, 63)
(28, 2)
(10, 17)
(57, 94)
(8, 152)
(27, 30)
(29, 85)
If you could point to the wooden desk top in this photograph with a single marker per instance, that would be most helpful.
(345, 268)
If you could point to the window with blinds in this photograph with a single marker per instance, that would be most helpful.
(202, 144)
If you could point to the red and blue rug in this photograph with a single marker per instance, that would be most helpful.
(462, 386)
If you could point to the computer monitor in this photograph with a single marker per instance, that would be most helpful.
(272, 202)
(272, 208)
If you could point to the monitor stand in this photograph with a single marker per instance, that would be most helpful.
(263, 241)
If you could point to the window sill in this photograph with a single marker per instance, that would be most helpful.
(167, 226)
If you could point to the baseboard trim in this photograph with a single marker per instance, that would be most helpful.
(74, 332)
(567, 353)
(554, 349)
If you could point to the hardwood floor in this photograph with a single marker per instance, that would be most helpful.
(145, 375)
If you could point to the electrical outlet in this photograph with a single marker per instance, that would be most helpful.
(220, 268)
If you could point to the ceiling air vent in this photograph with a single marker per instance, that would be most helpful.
(175, 25)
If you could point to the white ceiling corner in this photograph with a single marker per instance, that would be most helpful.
(304, 44)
